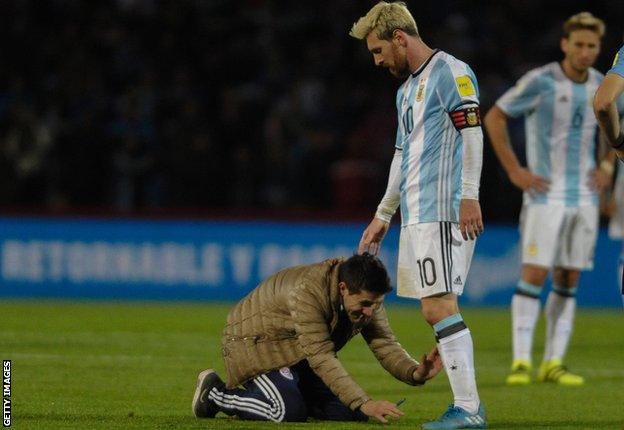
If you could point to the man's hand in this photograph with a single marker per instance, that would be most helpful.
(379, 409)
(372, 237)
(470, 220)
(430, 366)
(599, 179)
(527, 181)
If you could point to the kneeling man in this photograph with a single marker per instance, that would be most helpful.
(280, 344)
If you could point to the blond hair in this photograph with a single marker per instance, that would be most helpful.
(384, 18)
(583, 21)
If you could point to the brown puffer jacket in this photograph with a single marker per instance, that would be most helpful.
(293, 316)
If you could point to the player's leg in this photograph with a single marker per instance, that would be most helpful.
(320, 401)
(456, 348)
(576, 253)
(525, 309)
(435, 272)
(539, 227)
(273, 396)
(560, 309)
(621, 273)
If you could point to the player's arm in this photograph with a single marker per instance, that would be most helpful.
(376, 230)
(606, 112)
(393, 357)
(523, 97)
(496, 126)
(601, 178)
(467, 120)
(314, 338)
(606, 170)
(459, 96)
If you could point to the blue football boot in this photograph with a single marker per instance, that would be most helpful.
(457, 418)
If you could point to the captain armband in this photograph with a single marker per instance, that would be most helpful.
(468, 117)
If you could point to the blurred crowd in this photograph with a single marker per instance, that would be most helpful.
(133, 105)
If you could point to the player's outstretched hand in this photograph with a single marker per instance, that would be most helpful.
(380, 409)
(372, 237)
(527, 181)
(430, 366)
(470, 219)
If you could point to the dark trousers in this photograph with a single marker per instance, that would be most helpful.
(288, 394)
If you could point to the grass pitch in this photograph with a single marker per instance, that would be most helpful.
(96, 365)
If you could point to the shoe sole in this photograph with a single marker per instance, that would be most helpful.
(544, 380)
(463, 426)
(567, 384)
(515, 383)
(564, 384)
(202, 382)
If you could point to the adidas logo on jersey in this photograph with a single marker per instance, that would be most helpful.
(457, 281)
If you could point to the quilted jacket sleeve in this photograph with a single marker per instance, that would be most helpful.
(382, 341)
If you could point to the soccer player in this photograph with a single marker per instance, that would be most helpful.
(606, 110)
(605, 104)
(616, 213)
(559, 219)
(434, 177)
(280, 344)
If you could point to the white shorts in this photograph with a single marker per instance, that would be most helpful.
(433, 259)
(557, 236)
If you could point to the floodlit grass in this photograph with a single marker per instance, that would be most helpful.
(96, 365)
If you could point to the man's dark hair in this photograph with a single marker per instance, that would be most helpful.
(364, 272)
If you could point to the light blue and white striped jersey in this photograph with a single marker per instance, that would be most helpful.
(618, 63)
(616, 223)
(560, 131)
(431, 167)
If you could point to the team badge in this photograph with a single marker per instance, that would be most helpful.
(532, 250)
(420, 94)
(469, 117)
(472, 119)
(465, 86)
(285, 372)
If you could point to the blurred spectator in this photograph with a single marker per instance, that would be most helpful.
(138, 104)
(26, 154)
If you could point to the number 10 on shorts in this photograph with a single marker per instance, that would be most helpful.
(427, 272)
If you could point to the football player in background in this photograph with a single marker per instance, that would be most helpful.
(559, 219)
(605, 106)
(615, 211)
(434, 177)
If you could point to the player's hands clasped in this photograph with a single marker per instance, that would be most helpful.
(379, 409)
(470, 219)
(372, 237)
(430, 365)
(527, 181)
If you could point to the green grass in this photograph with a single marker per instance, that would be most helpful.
(92, 365)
